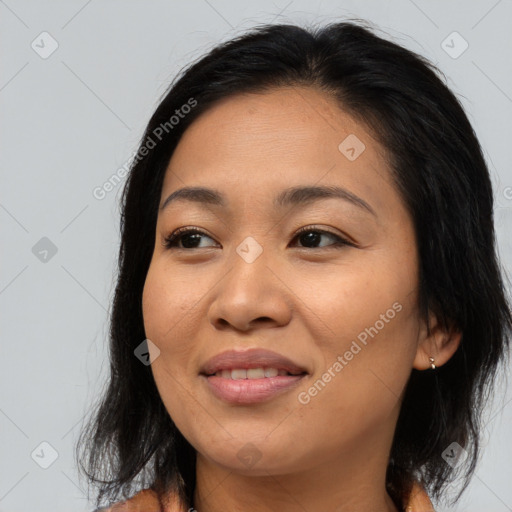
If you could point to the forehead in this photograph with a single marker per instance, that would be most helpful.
(248, 144)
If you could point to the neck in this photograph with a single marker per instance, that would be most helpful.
(342, 483)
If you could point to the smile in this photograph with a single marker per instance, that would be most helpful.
(246, 387)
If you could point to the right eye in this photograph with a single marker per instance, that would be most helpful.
(189, 238)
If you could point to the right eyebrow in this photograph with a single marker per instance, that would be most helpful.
(201, 195)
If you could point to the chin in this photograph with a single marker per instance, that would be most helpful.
(253, 455)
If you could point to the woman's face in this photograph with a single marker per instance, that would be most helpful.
(345, 314)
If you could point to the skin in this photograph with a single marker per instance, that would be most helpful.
(306, 299)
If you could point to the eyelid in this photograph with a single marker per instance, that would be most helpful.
(169, 239)
(342, 240)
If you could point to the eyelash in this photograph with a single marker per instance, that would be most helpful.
(170, 241)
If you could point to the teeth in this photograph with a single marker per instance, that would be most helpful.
(251, 373)
(238, 374)
(271, 372)
(255, 373)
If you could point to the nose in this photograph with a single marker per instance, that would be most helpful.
(251, 295)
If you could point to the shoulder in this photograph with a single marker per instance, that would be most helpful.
(143, 501)
(146, 501)
(418, 500)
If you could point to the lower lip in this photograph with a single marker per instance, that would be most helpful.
(250, 391)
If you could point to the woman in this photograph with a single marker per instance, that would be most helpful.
(309, 309)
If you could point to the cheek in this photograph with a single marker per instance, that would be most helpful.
(369, 315)
(154, 298)
(361, 382)
(167, 309)
(351, 298)
(166, 303)
(162, 313)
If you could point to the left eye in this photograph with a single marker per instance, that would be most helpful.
(313, 236)
(190, 238)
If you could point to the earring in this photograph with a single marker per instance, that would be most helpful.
(432, 365)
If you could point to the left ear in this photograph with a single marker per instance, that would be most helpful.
(441, 344)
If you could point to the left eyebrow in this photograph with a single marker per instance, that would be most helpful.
(293, 196)
(296, 196)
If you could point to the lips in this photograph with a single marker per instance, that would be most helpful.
(251, 376)
(251, 358)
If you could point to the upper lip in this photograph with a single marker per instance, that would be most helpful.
(250, 358)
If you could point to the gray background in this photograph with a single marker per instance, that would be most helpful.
(71, 119)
